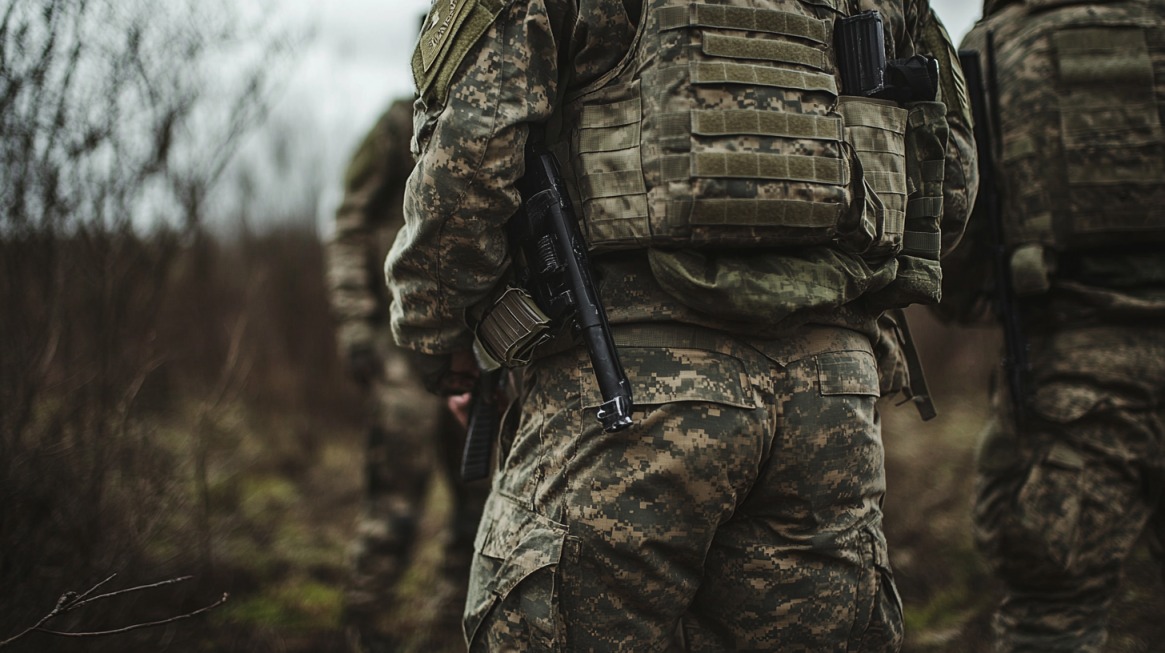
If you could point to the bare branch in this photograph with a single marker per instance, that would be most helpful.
(139, 588)
(70, 601)
(84, 595)
(126, 629)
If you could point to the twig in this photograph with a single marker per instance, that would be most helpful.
(70, 601)
(150, 624)
(89, 591)
(81, 600)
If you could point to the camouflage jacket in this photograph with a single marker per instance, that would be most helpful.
(526, 57)
(366, 223)
(1087, 287)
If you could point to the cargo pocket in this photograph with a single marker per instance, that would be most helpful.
(848, 373)
(661, 375)
(880, 625)
(1065, 402)
(1048, 507)
(512, 602)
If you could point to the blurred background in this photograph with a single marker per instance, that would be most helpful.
(171, 400)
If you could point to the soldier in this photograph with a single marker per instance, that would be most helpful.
(411, 435)
(1070, 473)
(747, 223)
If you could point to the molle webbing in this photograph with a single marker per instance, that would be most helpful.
(927, 133)
(719, 130)
(1099, 59)
(749, 121)
(922, 244)
(609, 136)
(748, 165)
(745, 18)
(743, 212)
(1077, 49)
(703, 72)
(876, 130)
(740, 47)
(615, 114)
(1085, 150)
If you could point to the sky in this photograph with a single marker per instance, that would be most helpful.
(356, 60)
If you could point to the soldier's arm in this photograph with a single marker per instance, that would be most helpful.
(378, 167)
(967, 269)
(961, 181)
(452, 251)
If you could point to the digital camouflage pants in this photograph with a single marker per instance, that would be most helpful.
(411, 439)
(742, 511)
(1061, 504)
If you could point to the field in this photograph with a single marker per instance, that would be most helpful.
(176, 408)
(180, 451)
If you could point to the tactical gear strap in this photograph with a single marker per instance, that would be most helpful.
(609, 140)
(876, 129)
(747, 165)
(738, 47)
(754, 212)
(611, 184)
(703, 72)
(745, 18)
(922, 243)
(746, 121)
(613, 114)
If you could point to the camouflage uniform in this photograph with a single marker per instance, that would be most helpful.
(411, 434)
(743, 508)
(1061, 502)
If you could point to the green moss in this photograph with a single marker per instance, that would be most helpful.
(264, 495)
(305, 605)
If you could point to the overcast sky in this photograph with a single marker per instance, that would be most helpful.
(354, 63)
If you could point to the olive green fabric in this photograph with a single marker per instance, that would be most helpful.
(451, 28)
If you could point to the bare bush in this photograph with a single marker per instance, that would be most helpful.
(110, 120)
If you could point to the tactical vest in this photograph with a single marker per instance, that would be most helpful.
(724, 127)
(1082, 94)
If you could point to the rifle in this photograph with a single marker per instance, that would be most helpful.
(990, 207)
(554, 273)
(554, 268)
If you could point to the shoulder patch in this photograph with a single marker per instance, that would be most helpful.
(450, 31)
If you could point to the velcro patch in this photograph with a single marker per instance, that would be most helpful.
(440, 25)
(451, 30)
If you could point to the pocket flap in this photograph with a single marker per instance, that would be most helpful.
(524, 540)
(1064, 401)
(665, 375)
(848, 373)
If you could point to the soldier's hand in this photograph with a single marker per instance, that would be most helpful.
(459, 406)
(446, 374)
